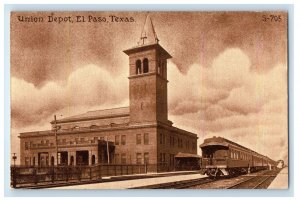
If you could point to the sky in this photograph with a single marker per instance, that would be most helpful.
(227, 77)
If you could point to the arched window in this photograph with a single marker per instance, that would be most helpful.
(93, 159)
(138, 67)
(145, 65)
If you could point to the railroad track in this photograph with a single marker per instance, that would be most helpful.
(254, 182)
(178, 184)
(260, 181)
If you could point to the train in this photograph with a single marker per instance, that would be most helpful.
(222, 157)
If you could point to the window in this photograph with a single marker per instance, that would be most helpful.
(117, 158)
(138, 67)
(162, 157)
(138, 139)
(146, 158)
(117, 140)
(93, 159)
(138, 158)
(161, 138)
(123, 139)
(26, 145)
(145, 65)
(146, 138)
(123, 158)
(27, 161)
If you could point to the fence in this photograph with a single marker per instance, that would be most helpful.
(22, 176)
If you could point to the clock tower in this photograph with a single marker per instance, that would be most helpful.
(148, 91)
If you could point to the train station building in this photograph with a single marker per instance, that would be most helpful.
(138, 134)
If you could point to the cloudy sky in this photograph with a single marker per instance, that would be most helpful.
(228, 74)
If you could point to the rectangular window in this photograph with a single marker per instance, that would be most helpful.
(138, 139)
(161, 138)
(146, 158)
(117, 158)
(123, 139)
(123, 158)
(146, 138)
(26, 145)
(117, 140)
(138, 158)
(27, 161)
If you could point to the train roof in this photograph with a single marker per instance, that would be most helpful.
(220, 141)
(186, 155)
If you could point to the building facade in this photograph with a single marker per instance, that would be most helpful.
(138, 134)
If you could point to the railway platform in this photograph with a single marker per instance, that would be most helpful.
(281, 180)
(149, 179)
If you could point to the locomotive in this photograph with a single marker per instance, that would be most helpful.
(222, 157)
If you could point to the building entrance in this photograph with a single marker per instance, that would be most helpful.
(82, 158)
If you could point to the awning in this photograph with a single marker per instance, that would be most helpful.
(186, 155)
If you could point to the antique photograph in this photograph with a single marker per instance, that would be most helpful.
(149, 100)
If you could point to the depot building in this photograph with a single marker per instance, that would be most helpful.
(138, 134)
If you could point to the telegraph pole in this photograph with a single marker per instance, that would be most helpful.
(55, 131)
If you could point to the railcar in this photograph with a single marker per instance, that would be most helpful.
(224, 157)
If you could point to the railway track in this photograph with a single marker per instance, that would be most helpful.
(255, 182)
(258, 182)
(178, 184)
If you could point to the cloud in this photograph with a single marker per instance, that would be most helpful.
(188, 93)
(86, 87)
(54, 51)
(244, 105)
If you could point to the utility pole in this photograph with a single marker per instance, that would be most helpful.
(107, 149)
(55, 131)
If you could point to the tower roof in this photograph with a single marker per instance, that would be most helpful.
(148, 35)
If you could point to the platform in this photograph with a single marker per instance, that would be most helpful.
(134, 183)
(281, 181)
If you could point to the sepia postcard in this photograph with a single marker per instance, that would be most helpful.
(149, 100)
